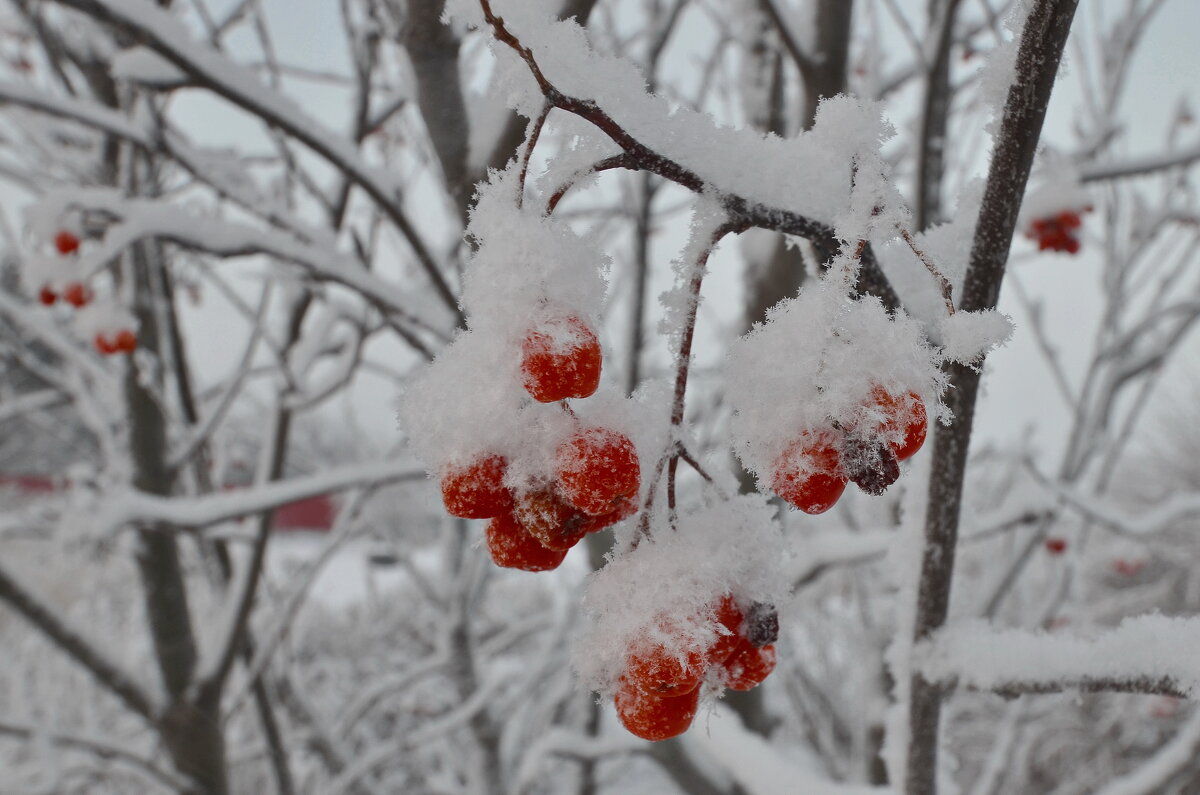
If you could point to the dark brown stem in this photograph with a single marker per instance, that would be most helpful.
(1041, 48)
(534, 134)
(944, 286)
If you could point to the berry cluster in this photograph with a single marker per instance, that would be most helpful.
(595, 478)
(812, 472)
(106, 341)
(1057, 232)
(660, 689)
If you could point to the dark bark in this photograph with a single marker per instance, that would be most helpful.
(1041, 48)
(935, 116)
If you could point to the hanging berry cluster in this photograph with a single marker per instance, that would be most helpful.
(110, 331)
(659, 691)
(853, 423)
(1057, 232)
(812, 472)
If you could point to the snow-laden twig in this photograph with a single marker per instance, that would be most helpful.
(195, 512)
(161, 32)
(1146, 654)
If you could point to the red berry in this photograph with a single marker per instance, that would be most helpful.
(906, 420)
(594, 524)
(1056, 546)
(547, 518)
(104, 345)
(513, 548)
(126, 341)
(47, 296)
(748, 666)
(77, 295)
(598, 470)
(66, 242)
(654, 718)
(809, 473)
(476, 491)
(560, 359)
(662, 671)
(729, 624)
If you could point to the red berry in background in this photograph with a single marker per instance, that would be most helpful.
(476, 491)
(1128, 568)
(513, 548)
(598, 470)
(729, 619)
(560, 359)
(550, 520)
(66, 242)
(104, 344)
(662, 671)
(749, 665)
(1058, 232)
(47, 296)
(906, 419)
(652, 717)
(809, 473)
(77, 295)
(126, 341)
(1056, 546)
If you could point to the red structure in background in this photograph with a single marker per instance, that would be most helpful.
(314, 514)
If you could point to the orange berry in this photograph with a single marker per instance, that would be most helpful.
(77, 295)
(652, 717)
(729, 617)
(748, 666)
(126, 341)
(476, 491)
(560, 359)
(47, 296)
(809, 473)
(598, 470)
(660, 671)
(547, 518)
(905, 413)
(104, 345)
(513, 548)
(594, 524)
(66, 242)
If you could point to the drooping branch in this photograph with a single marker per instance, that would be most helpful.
(638, 156)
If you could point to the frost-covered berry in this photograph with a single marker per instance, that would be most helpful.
(594, 524)
(513, 548)
(77, 295)
(546, 517)
(660, 670)
(47, 296)
(652, 717)
(597, 470)
(870, 463)
(809, 473)
(729, 620)
(66, 242)
(907, 421)
(749, 666)
(560, 358)
(476, 491)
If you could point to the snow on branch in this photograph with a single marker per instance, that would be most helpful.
(164, 34)
(742, 169)
(1150, 654)
(192, 512)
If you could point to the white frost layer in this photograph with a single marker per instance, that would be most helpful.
(1151, 647)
